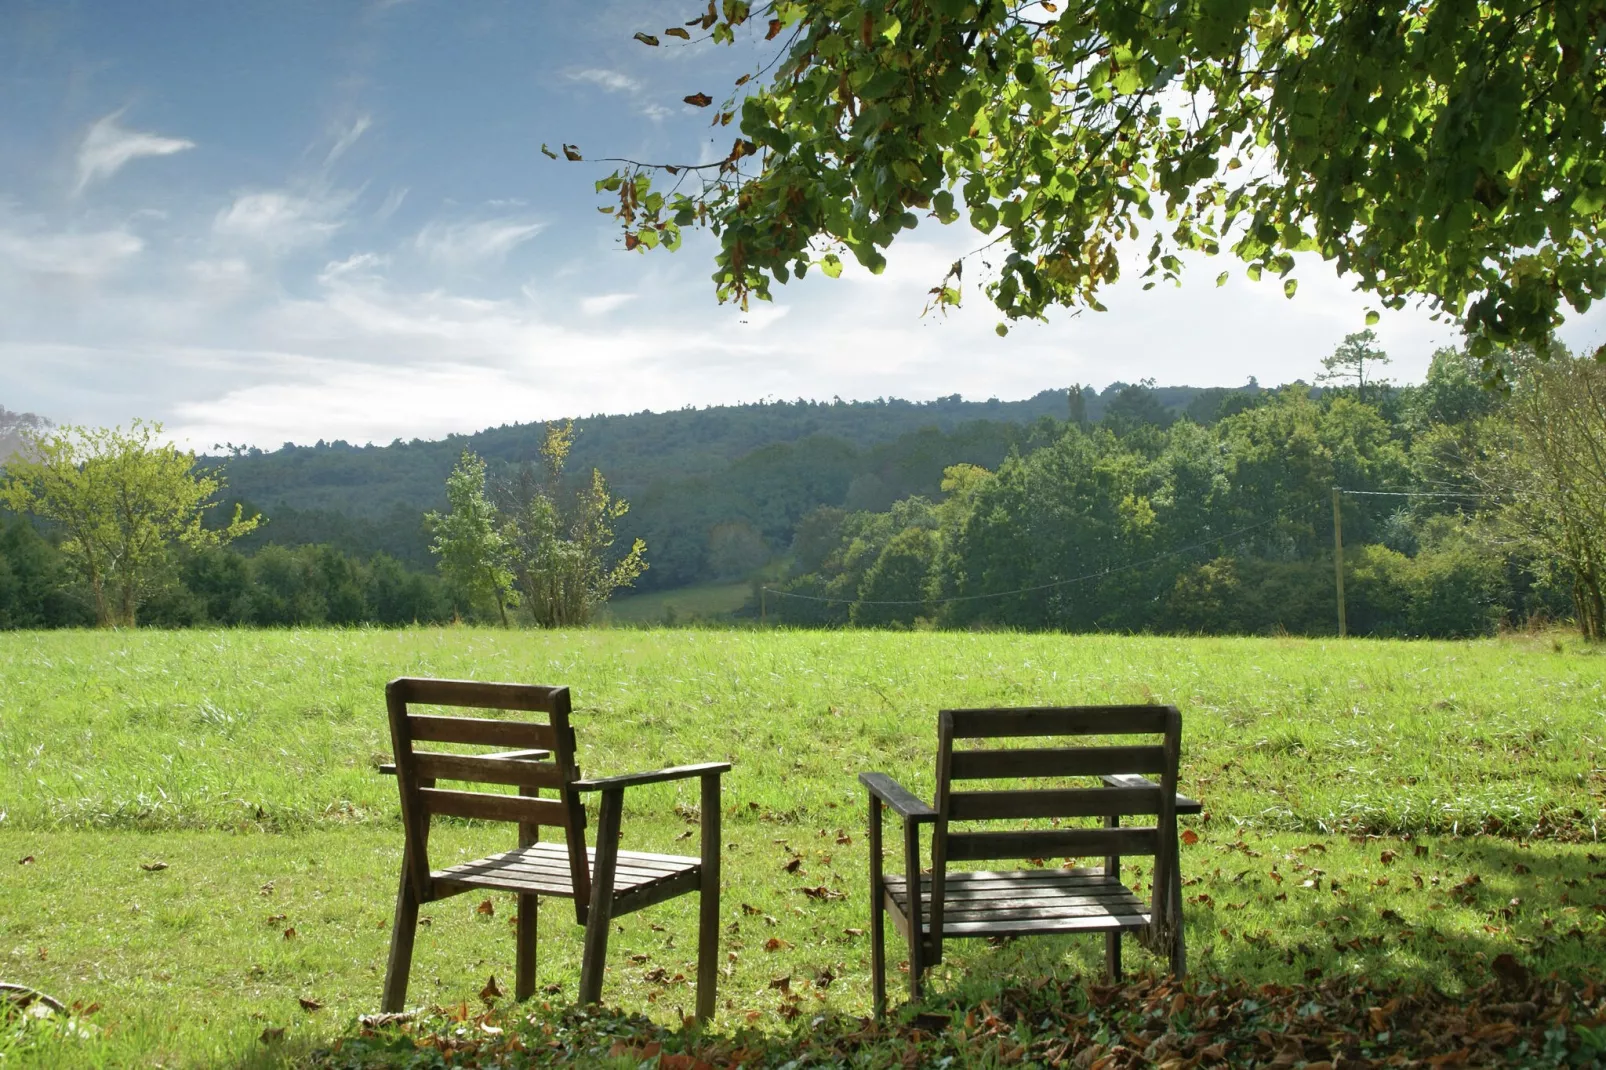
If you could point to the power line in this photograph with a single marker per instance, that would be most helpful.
(1038, 587)
(1413, 493)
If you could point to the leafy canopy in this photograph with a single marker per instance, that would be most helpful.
(123, 500)
(1453, 150)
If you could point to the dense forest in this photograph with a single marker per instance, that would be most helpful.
(1134, 508)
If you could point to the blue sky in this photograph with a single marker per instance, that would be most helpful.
(296, 220)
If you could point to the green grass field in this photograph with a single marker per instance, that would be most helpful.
(1383, 809)
(704, 601)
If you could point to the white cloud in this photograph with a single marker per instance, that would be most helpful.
(348, 137)
(393, 201)
(486, 242)
(613, 81)
(280, 220)
(603, 303)
(108, 146)
(81, 255)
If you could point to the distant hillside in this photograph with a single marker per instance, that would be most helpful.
(12, 426)
(714, 491)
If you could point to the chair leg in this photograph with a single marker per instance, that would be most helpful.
(917, 964)
(878, 951)
(1112, 954)
(524, 970)
(600, 915)
(401, 947)
(708, 903)
(1179, 951)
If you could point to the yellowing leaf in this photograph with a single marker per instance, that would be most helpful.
(646, 38)
(678, 31)
(699, 100)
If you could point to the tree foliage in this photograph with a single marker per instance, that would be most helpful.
(123, 500)
(475, 555)
(1547, 462)
(1448, 150)
(561, 538)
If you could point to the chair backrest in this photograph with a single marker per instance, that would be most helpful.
(1059, 763)
(417, 770)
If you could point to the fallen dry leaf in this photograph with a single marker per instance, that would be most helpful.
(486, 907)
(290, 933)
(491, 990)
(152, 867)
(1190, 837)
(309, 1004)
(272, 1034)
(775, 943)
(28, 861)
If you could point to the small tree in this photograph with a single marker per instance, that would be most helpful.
(124, 500)
(561, 540)
(1546, 458)
(1352, 360)
(475, 554)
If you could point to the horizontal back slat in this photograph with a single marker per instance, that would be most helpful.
(532, 698)
(423, 727)
(484, 769)
(1052, 843)
(1057, 721)
(1068, 802)
(1055, 761)
(494, 807)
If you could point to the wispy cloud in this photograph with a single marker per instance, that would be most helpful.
(108, 146)
(278, 219)
(469, 244)
(613, 81)
(347, 138)
(80, 255)
(603, 303)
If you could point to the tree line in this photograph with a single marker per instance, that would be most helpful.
(1460, 507)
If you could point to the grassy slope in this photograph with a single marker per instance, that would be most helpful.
(704, 601)
(246, 758)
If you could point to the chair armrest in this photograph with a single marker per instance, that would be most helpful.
(626, 780)
(389, 768)
(1185, 805)
(902, 803)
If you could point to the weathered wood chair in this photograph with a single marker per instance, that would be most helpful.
(604, 882)
(957, 903)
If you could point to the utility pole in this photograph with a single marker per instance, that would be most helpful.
(1338, 563)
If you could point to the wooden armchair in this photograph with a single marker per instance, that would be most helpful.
(959, 903)
(604, 881)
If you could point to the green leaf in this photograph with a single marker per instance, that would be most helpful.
(1001, 330)
(1221, 279)
(1289, 286)
(1372, 317)
(831, 264)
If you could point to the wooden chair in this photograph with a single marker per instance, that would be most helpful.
(955, 903)
(604, 882)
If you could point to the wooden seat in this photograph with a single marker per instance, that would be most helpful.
(604, 882)
(1025, 902)
(543, 869)
(1045, 898)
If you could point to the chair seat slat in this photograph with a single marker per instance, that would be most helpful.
(494, 807)
(480, 694)
(1065, 802)
(1058, 721)
(1069, 843)
(426, 728)
(485, 769)
(1055, 762)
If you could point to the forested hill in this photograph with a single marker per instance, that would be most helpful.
(633, 450)
(712, 490)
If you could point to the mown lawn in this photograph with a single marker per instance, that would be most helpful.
(1382, 810)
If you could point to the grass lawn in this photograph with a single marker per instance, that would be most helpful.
(1377, 810)
(704, 601)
